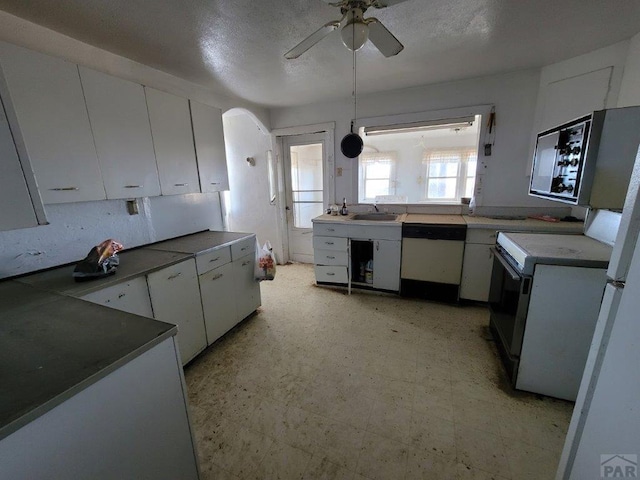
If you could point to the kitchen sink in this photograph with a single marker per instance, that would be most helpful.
(376, 217)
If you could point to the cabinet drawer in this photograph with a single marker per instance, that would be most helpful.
(131, 296)
(330, 230)
(330, 243)
(333, 274)
(330, 257)
(481, 235)
(376, 232)
(243, 247)
(214, 259)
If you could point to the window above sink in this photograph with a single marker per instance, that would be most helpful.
(423, 158)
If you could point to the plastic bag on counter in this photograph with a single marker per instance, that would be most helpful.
(265, 268)
(101, 261)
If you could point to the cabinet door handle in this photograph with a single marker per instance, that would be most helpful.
(243, 249)
(121, 295)
(330, 257)
(377, 246)
(328, 243)
(180, 184)
(64, 189)
(331, 229)
(330, 274)
(174, 276)
(244, 264)
(215, 183)
(133, 186)
(220, 275)
(214, 259)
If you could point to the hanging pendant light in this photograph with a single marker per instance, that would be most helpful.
(351, 145)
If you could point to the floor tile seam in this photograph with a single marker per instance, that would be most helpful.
(516, 437)
(410, 445)
(362, 446)
(330, 419)
(274, 445)
(233, 475)
(530, 444)
(319, 454)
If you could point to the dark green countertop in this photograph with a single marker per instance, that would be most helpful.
(200, 242)
(53, 346)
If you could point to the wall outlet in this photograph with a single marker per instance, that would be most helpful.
(339, 172)
(132, 207)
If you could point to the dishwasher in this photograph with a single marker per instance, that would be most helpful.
(432, 260)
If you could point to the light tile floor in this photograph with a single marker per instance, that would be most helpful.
(321, 385)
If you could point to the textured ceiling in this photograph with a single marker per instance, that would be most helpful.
(236, 47)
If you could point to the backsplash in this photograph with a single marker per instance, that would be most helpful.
(75, 228)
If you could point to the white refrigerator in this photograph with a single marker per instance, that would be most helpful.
(603, 440)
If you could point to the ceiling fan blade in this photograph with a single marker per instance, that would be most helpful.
(312, 39)
(385, 3)
(383, 39)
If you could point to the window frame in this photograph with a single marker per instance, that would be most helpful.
(465, 154)
(484, 110)
(390, 157)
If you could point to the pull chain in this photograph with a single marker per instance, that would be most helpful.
(355, 83)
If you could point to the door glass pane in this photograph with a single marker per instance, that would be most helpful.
(306, 183)
(304, 212)
(308, 196)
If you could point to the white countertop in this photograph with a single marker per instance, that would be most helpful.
(472, 222)
(529, 224)
(434, 219)
(348, 219)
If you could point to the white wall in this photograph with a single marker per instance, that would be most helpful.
(248, 198)
(513, 94)
(630, 88)
(75, 228)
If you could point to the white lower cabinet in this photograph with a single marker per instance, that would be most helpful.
(218, 291)
(230, 292)
(386, 264)
(476, 272)
(133, 423)
(341, 251)
(247, 289)
(175, 297)
(131, 296)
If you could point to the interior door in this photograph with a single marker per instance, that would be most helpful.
(304, 165)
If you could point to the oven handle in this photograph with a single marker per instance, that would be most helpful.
(512, 273)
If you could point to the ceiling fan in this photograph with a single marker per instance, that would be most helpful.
(355, 29)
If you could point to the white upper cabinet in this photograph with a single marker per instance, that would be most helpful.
(120, 123)
(209, 139)
(47, 96)
(173, 141)
(18, 209)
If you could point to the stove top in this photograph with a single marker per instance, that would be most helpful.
(529, 249)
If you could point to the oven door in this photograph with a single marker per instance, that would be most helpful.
(508, 305)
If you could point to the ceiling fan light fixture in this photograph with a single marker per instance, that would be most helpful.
(354, 35)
